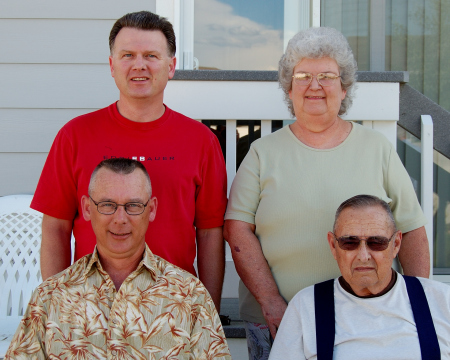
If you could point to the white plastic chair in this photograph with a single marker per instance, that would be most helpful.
(20, 241)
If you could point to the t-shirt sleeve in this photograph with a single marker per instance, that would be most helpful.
(405, 206)
(211, 195)
(56, 192)
(438, 297)
(288, 343)
(245, 191)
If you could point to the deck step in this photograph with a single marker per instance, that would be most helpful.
(230, 308)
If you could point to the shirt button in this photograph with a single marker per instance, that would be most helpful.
(114, 352)
(115, 321)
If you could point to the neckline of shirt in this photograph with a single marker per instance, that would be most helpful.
(348, 138)
(370, 298)
(140, 126)
(148, 260)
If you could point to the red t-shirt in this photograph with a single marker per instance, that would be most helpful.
(181, 155)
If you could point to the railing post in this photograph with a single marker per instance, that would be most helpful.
(230, 162)
(266, 127)
(231, 152)
(427, 180)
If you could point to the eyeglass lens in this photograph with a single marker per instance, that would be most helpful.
(325, 79)
(375, 243)
(108, 208)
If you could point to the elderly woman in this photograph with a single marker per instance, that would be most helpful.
(286, 191)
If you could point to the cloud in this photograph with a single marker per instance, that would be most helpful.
(228, 41)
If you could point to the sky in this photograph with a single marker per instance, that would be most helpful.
(231, 36)
(268, 12)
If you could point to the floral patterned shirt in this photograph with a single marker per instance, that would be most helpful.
(159, 312)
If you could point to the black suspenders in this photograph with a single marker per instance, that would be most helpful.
(325, 328)
(324, 311)
(429, 345)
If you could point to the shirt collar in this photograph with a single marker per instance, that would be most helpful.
(346, 286)
(148, 260)
(94, 260)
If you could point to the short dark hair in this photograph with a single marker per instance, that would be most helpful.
(363, 201)
(120, 166)
(145, 20)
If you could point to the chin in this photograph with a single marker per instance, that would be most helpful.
(365, 281)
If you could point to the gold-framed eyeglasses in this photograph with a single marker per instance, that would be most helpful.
(110, 207)
(324, 79)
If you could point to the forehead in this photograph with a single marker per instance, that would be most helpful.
(325, 64)
(110, 185)
(130, 38)
(364, 221)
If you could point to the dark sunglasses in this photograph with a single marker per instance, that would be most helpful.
(374, 243)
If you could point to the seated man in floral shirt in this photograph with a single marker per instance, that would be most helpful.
(121, 301)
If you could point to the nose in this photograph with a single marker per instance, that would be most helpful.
(363, 251)
(139, 62)
(120, 216)
(315, 83)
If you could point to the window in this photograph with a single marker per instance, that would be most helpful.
(398, 35)
(238, 35)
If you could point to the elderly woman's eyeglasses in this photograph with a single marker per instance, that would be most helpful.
(110, 207)
(324, 79)
(374, 243)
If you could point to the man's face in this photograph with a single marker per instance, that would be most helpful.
(366, 271)
(119, 236)
(140, 64)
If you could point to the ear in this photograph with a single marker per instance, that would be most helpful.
(344, 92)
(111, 66)
(86, 207)
(332, 244)
(290, 94)
(153, 205)
(172, 64)
(397, 242)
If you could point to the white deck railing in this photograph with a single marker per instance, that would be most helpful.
(426, 196)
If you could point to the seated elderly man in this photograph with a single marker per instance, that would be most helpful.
(121, 301)
(371, 311)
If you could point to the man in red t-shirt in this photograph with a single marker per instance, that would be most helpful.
(182, 156)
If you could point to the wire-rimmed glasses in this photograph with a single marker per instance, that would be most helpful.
(110, 207)
(324, 79)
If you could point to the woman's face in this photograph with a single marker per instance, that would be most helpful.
(315, 99)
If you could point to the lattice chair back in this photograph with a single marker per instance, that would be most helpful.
(20, 241)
